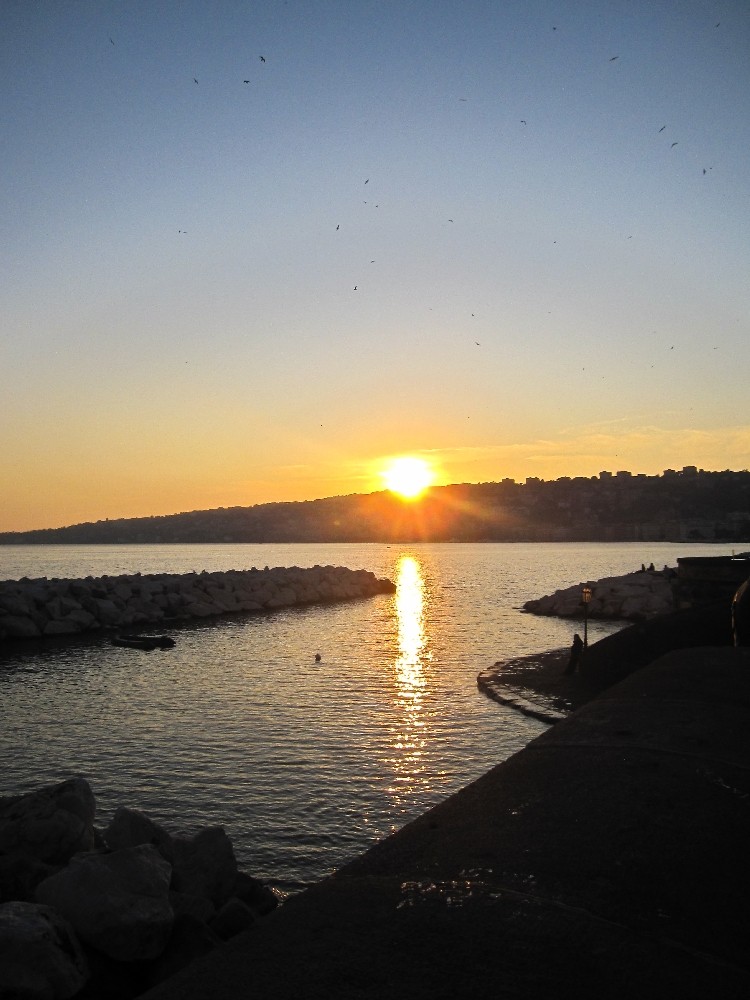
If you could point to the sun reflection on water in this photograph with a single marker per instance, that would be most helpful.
(411, 682)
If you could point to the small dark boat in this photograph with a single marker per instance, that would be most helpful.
(143, 641)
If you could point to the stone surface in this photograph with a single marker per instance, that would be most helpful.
(190, 939)
(256, 894)
(233, 918)
(118, 902)
(185, 904)
(19, 627)
(205, 865)
(633, 597)
(51, 824)
(40, 958)
(30, 608)
(131, 827)
(20, 875)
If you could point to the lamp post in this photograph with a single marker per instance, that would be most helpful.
(586, 598)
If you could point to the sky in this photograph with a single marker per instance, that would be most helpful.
(252, 250)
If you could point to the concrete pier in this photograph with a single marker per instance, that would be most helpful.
(608, 859)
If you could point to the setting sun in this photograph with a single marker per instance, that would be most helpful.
(407, 476)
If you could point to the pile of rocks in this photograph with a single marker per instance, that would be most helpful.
(32, 608)
(91, 913)
(633, 597)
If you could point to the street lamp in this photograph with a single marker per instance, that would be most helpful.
(586, 598)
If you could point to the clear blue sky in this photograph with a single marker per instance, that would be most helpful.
(549, 246)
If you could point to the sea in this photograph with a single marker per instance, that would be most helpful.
(304, 763)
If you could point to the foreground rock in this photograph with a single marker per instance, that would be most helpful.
(33, 608)
(634, 597)
(110, 913)
(49, 825)
(118, 903)
(39, 953)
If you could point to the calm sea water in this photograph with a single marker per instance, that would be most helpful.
(305, 764)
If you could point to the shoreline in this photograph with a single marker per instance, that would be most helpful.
(537, 685)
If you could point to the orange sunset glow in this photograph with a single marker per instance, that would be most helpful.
(408, 476)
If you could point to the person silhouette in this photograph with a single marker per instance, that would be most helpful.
(576, 652)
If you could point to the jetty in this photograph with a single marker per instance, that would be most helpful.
(33, 608)
(632, 596)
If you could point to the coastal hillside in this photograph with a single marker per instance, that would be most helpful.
(689, 505)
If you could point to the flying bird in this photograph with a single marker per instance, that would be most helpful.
(673, 145)
(246, 81)
(523, 122)
(195, 80)
(337, 228)
(111, 40)
(662, 128)
(613, 58)
(355, 288)
(367, 181)
(262, 58)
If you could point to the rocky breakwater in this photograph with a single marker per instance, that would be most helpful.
(92, 913)
(30, 608)
(633, 597)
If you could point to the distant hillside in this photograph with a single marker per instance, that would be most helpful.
(690, 505)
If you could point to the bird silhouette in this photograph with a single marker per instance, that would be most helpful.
(355, 288)
(523, 122)
(111, 41)
(337, 228)
(673, 145)
(662, 128)
(246, 81)
(613, 58)
(195, 80)
(367, 181)
(262, 58)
